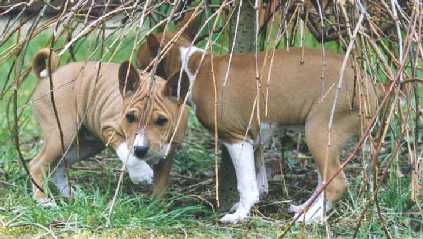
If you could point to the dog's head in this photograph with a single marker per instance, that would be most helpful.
(151, 122)
(177, 64)
(169, 64)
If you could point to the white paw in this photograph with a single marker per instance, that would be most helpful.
(67, 192)
(295, 208)
(234, 218)
(309, 218)
(140, 172)
(234, 207)
(316, 213)
(46, 203)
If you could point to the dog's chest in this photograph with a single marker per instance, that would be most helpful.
(267, 130)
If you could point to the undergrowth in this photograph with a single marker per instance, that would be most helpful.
(189, 208)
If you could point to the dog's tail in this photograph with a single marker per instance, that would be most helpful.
(40, 63)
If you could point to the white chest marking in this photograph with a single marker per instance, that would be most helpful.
(44, 73)
(185, 55)
(139, 171)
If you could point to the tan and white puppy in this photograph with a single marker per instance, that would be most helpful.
(98, 105)
(291, 94)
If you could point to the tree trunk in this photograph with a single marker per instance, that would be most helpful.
(245, 38)
(245, 42)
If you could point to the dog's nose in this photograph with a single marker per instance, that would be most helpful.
(140, 151)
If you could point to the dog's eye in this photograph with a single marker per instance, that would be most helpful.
(130, 117)
(161, 120)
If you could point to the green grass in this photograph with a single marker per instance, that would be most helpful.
(189, 208)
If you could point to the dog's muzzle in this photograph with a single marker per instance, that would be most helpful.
(141, 151)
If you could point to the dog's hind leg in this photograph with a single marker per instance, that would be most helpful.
(52, 149)
(39, 169)
(326, 156)
(60, 178)
(83, 147)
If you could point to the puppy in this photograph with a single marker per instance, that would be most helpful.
(98, 105)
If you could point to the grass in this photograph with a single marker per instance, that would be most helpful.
(189, 209)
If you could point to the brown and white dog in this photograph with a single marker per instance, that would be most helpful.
(292, 94)
(99, 105)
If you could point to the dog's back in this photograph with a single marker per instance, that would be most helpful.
(76, 88)
(289, 89)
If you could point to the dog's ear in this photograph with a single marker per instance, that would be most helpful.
(176, 89)
(193, 27)
(148, 51)
(129, 79)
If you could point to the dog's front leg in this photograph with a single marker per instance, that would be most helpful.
(261, 174)
(162, 174)
(242, 155)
